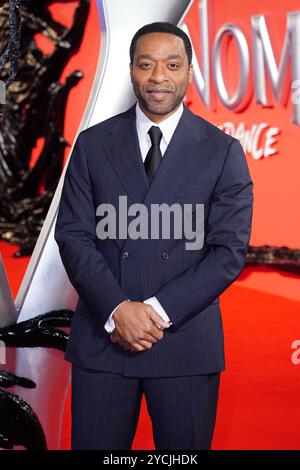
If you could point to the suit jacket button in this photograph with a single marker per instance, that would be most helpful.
(125, 255)
(164, 255)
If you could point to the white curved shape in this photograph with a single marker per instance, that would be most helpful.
(8, 313)
(45, 285)
(111, 94)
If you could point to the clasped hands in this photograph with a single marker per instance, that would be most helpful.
(138, 326)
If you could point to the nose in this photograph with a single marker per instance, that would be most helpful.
(158, 74)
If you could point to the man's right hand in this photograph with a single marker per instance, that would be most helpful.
(137, 324)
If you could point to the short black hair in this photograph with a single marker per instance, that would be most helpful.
(161, 27)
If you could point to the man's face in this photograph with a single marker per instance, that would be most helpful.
(160, 74)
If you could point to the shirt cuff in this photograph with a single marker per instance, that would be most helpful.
(158, 308)
(110, 324)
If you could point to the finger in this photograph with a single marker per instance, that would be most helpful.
(120, 341)
(123, 342)
(117, 341)
(157, 318)
(117, 338)
(153, 332)
(151, 337)
(142, 343)
(137, 347)
(128, 347)
(113, 338)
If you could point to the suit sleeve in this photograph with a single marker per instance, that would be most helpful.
(227, 234)
(75, 234)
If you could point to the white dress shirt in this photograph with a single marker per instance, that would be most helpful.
(167, 127)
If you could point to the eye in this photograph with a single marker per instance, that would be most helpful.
(173, 66)
(145, 65)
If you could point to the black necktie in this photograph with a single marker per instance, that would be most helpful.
(154, 155)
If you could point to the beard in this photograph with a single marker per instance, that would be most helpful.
(159, 108)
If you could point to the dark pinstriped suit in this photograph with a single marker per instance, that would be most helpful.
(201, 165)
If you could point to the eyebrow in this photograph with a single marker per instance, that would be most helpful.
(148, 56)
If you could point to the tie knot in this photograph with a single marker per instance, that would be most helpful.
(155, 135)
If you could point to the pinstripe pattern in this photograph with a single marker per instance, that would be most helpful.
(200, 165)
(105, 410)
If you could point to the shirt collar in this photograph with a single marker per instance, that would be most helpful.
(167, 126)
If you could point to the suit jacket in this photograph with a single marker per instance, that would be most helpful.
(202, 164)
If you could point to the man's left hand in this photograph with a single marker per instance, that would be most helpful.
(115, 337)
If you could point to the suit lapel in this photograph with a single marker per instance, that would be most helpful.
(123, 150)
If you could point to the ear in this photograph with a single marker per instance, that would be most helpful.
(130, 71)
(191, 73)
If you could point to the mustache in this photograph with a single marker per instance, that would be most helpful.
(154, 89)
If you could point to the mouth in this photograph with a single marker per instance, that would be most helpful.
(158, 95)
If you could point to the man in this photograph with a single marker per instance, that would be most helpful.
(148, 318)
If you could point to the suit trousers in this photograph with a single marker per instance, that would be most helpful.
(105, 410)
